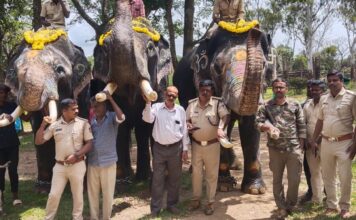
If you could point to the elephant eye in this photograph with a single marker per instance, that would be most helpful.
(150, 46)
(60, 70)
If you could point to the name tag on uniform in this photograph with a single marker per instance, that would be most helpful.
(58, 129)
(177, 122)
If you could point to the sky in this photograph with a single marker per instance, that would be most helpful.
(82, 33)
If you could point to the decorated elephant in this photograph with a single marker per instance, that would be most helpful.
(234, 58)
(134, 61)
(46, 69)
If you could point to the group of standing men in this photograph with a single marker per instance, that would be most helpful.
(323, 128)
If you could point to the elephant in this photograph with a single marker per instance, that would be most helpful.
(236, 64)
(132, 64)
(40, 78)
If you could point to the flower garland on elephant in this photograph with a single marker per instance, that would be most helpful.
(140, 25)
(39, 38)
(238, 27)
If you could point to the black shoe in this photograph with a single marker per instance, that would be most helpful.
(174, 210)
(306, 198)
(154, 214)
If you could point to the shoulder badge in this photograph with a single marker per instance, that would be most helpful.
(216, 98)
(193, 100)
(350, 92)
(82, 119)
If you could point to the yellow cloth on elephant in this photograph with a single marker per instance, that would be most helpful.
(41, 37)
(238, 27)
(140, 25)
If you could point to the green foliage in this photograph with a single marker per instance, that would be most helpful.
(15, 16)
(328, 59)
(268, 14)
(297, 84)
(285, 55)
(300, 62)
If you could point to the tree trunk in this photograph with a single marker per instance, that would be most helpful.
(188, 26)
(36, 8)
(168, 16)
(316, 67)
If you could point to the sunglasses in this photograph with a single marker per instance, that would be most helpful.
(171, 96)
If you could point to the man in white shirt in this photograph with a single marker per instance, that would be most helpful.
(169, 149)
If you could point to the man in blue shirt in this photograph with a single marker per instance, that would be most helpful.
(102, 159)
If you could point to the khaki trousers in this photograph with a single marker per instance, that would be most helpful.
(209, 158)
(278, 160)
(104, 179)
(333, 155)
(61, 175)
(316, 177)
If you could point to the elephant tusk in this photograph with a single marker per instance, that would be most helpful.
(15, 114)
(148, 91)
(110, 87)
(52, 108)
(274, 133)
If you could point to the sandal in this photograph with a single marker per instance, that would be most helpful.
(17, 202)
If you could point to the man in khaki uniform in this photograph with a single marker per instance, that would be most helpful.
(228, 10)
(207, 117)
(73, 138)
(53, 13)
(311, 110)
(336, 115)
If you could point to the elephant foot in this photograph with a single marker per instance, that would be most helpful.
(236, 165)
(254, 187)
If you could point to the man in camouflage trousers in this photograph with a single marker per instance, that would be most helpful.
(286, 116)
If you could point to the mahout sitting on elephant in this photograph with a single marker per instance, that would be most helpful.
(47, 68)
(134, 61)
(234, 58)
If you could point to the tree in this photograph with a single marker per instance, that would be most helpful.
(268, 14)
(348, 17)
(299, 62)
(328, 60)
(308, 20)
(169, 19)
(14, 18)
(285, 58)
(188, 26)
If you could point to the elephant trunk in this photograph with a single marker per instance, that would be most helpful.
(123, 65)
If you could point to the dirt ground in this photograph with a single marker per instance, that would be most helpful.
(229, 205)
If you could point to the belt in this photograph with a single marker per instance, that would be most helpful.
(340, 138)
(205, 143)
(69, 164)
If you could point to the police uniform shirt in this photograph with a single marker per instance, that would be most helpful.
(69, 137)
(207, 119)
(311, 111)
(338, 113)
(228, 10)
(53, 12)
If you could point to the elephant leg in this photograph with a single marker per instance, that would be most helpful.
(227, 155)
(143, 133)
(123, 143)
(252, 181)
(45, 155)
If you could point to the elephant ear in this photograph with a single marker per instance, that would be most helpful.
(11, 78)
(164, 65)
(101, 69)
(81, 71)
